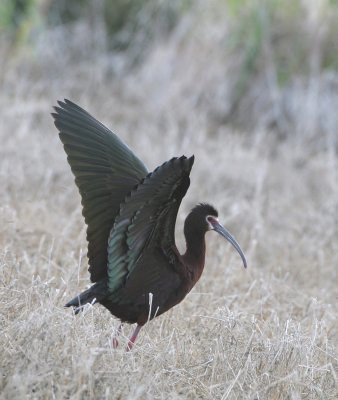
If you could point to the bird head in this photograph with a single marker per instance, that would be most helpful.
(204, 217)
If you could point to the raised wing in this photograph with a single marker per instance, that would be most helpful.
(147, 221)
(105, 171)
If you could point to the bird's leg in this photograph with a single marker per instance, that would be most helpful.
(117, 333)
(133, 338)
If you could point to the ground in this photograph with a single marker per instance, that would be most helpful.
(268, 332)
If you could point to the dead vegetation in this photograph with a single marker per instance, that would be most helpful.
(266, 333)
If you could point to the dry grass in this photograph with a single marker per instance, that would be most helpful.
(266, 333)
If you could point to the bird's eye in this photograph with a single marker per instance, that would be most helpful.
(210, 221)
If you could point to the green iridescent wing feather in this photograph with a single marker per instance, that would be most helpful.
(147, 220)
(105, 171)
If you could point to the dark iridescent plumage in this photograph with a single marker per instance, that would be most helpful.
(131, 215)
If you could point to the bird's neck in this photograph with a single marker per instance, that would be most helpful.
(194, 256)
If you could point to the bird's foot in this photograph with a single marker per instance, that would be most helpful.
(133, 338)
(115, 341)
(129, 346)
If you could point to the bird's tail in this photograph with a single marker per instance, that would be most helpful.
(94, 294)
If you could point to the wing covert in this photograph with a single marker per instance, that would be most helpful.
(147, 219)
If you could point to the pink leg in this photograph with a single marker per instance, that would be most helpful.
(133, 338)
(115, 340)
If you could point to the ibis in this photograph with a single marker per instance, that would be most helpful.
(135, 267)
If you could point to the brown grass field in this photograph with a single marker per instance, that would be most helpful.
(268, 332)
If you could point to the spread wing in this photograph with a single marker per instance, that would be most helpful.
(105, 171)
(146, 225)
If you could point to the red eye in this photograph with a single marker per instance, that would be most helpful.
(211, 220)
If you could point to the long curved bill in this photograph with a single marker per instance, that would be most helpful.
(227, 235)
